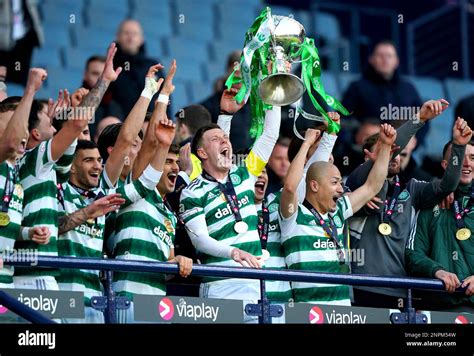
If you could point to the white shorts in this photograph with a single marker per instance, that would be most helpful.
(247, 290)
(35, 282)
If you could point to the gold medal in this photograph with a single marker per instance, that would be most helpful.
(463, 234)
(385, 229)
(4, 219)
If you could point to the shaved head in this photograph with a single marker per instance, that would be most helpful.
(323, 186)
(319, 170)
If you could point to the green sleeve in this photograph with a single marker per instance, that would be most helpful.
(418, 248)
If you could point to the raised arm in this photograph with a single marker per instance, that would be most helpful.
(378, 173)
(132, 126)
(430, 110)
(431, 193)
(85, 112)
(17, 128)
(150, 142)
(289, 195)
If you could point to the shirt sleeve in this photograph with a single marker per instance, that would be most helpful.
(263, 147)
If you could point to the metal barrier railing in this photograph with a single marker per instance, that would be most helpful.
(264, 309)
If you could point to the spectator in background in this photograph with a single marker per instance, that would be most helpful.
(278, 165)
(20, 32)
(382, 88)
(465, 109)
(132, 58)
(102, 124)
(189, 120)
(239, 134)
(108, 107)
(350, 156)
(408, 166)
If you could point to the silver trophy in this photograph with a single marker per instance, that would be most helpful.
(283, 88)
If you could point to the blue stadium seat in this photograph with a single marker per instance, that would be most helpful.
(56, 35)
(151, 8)
(330, 84)
(200, 91)
(458, 89)
(14, 89)
(428, 88)
(114, 18)
(198, 29)
(213, 71)
(325, 26)
(154, 48)
(202, 10)
(282, 10)
(180, 97)
(184, 47)
(47, 92)
(59, 78)
(189, 69)
(154, 25)
(345, 79)
(439, 133)
(94, 40)
(226, 16)
(118, 7)
(46, 57)
(222, 49)
(61, 12)
(76, 57)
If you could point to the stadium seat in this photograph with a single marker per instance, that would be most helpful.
(57, 35)
(46, 57)
(195, 10)
(458, 89)
(154, 48)
(221, 49)
(60, 78)
(154, 25)
(200, 91)
(14, 89)
(189, 69)
(76, 58)
(326, 26)
(93, 40)
(198, 29)
(180, 97)
(428, 88)
(188, 48)
(61, 12)
(330, 84)
(345, 79)
(213, 71)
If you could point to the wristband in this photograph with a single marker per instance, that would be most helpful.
(25, 233)
(162, 98)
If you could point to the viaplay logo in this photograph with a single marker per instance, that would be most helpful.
(166, 309)
(316, 316)
(460, 319)
(3, 310)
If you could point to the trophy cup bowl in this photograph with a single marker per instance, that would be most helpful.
(283, 88)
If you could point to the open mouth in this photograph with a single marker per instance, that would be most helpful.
(225, 152)
(467, 172)
(260, 187)
(94, 175)
(335, 198)
(172, 178)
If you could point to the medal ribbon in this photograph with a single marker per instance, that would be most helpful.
(330, 230)
(459, 212)
(390, 206)
(9, 188)
(229, 193)
(263, 225)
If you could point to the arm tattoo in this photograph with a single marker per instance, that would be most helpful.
(68, 222)
(93, 99)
